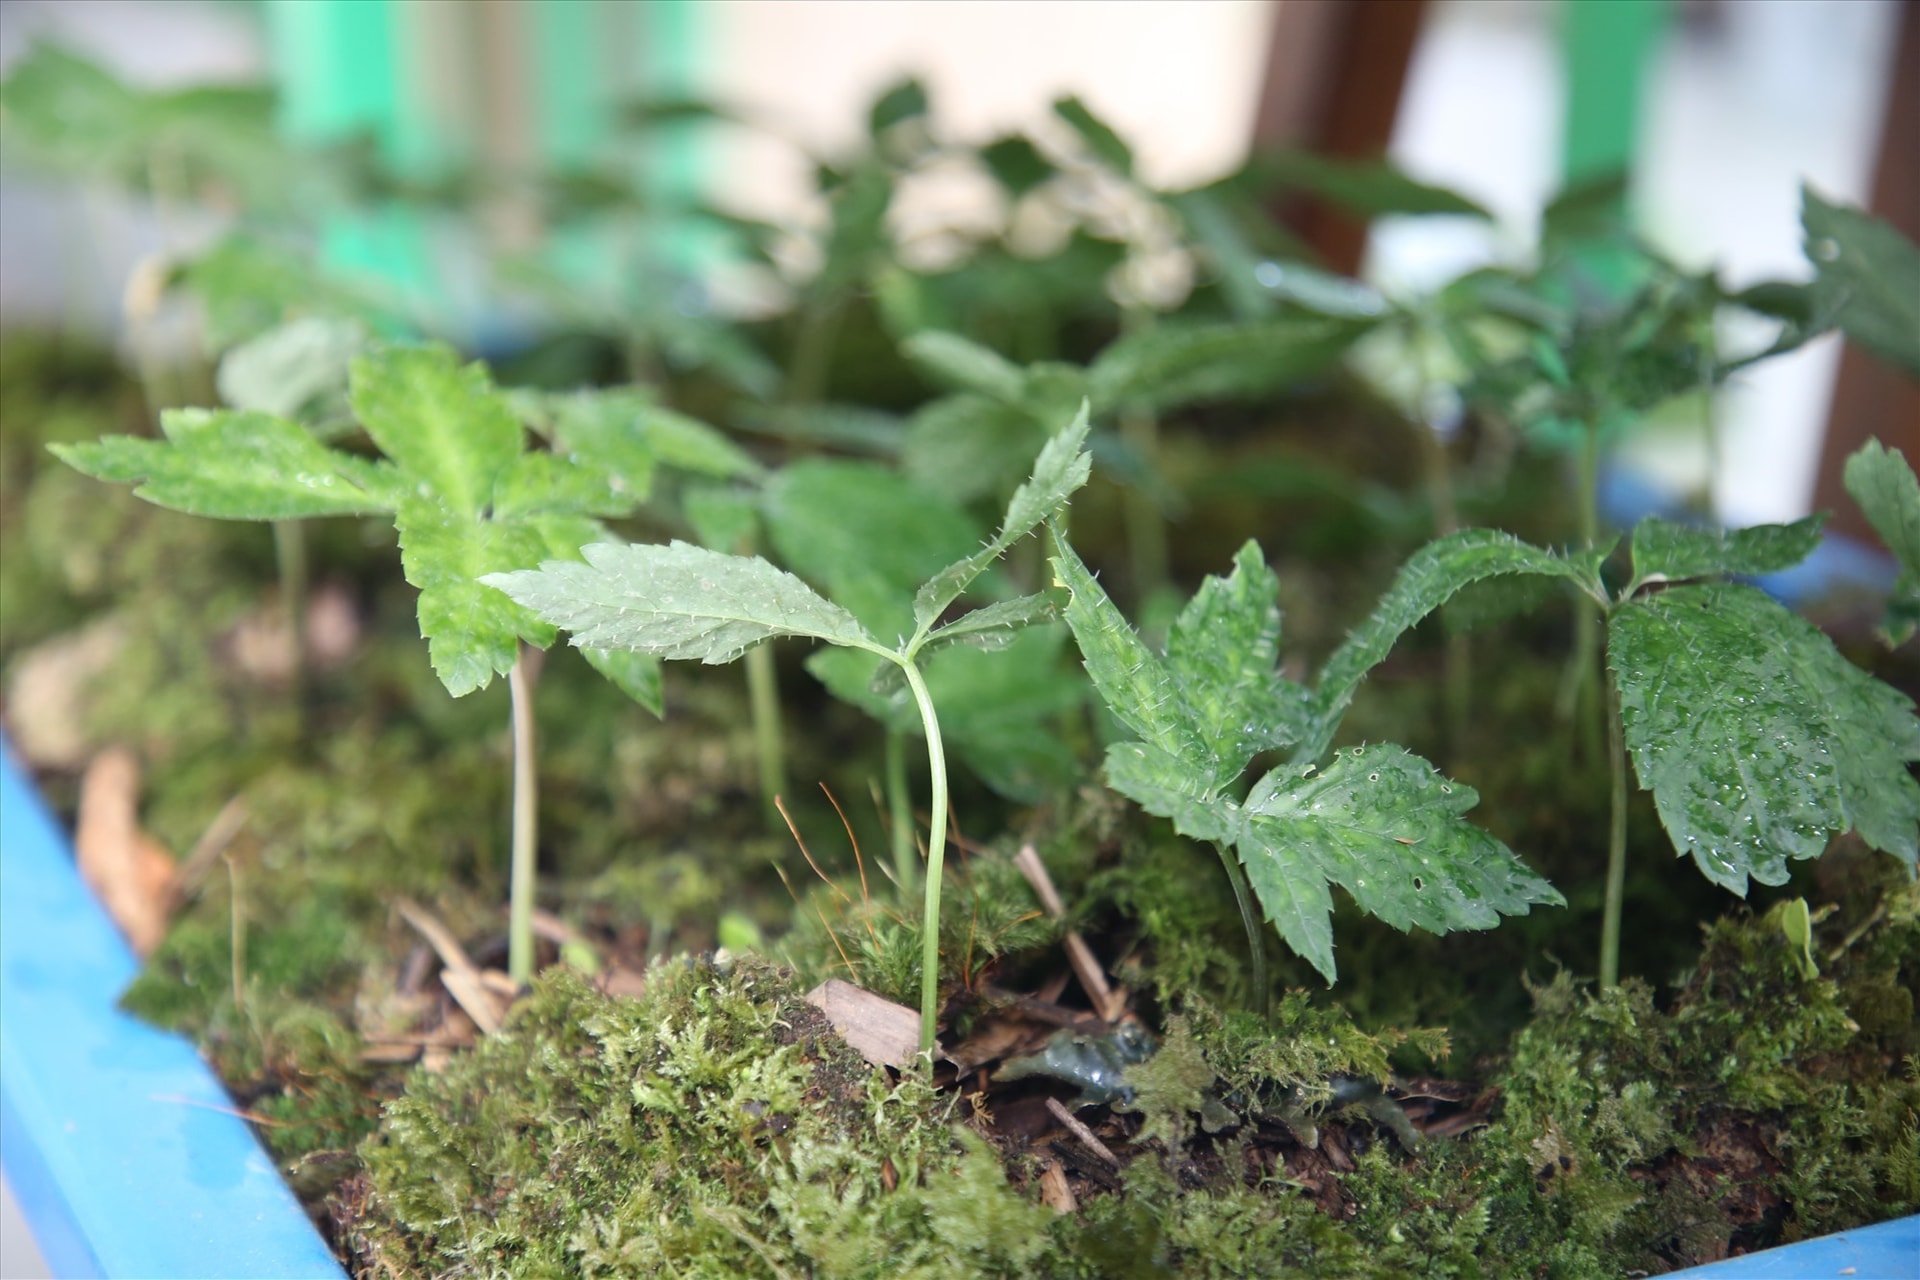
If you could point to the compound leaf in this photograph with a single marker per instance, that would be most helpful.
(994, 626)
(443, 423)
(1223, 651)
(237, 465)
(1135, 684)
(1383, 824)
(1883, 484)
(1667, 552)
(1060, 470)
(1167, 787)
(1757, 739)
(1430, 577)
(677, 601)
(472, 633)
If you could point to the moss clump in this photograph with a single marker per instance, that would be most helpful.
(716, 1127)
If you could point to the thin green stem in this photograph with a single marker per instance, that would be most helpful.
(1616, 844)
(936, 854)
(1250, 921)
(906, 861)
(763, 697)
(290, 558)
(526, 814)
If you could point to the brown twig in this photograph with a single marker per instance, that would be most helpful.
(1109, 1004)
(1087, 1137)
(461, 977)
(206, 851)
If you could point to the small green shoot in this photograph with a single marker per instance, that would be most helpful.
(685, 602)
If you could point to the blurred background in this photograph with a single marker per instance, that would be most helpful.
(1719, 111)
(509, 168)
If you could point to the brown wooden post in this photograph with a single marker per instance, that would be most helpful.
(1335, 69)
(1871, 397)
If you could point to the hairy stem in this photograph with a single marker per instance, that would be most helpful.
(763, 697)
(1250, 921)
(1616, 844)
(526, 813)
(290, 558)
(906, 861)
(936, 853)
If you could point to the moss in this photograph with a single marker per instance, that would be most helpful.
(715, 1127)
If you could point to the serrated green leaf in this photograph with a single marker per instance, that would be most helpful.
(1059, 471)
(602, 430)
(1667, 552)
(1871, 272)
(960, 364)
(994, 626)
(635, 674)
(1428, 580)
(472, 633)
(541, 484)
(677, 601)
(1384, 825)
(1164, 786)
(237, 466)
(292, 367)
(443, 424)
(1293, 895)
(1101, 140)
(1134, 683)
(1883, 484)
(1757, 739)
(1223, 653)
(1174, 364)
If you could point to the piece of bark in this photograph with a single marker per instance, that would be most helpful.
(884, 1033)
(126, 868)
(1054, 1190)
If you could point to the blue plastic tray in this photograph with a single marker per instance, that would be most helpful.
(121, 1146)
(1889, 1251)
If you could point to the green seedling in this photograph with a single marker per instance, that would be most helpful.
(1757, 739)
(686, 602)
(468, 499)
(1377, 820)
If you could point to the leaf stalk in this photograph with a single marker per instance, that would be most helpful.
(526, 803)
(936, 854)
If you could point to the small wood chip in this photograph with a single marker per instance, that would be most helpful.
(461, 977)
(1054, 1189)
(884, 1033)
(126, 868)
(1087, 1136)
(390, 1052)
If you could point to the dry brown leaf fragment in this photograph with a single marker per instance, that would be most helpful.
(128, 870)
(884, 1033)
